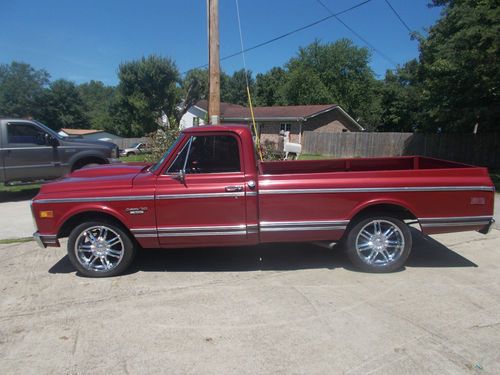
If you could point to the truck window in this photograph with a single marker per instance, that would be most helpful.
(25, 134)
(209, 154)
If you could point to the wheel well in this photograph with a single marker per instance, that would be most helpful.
(393, 210)
(82, 217)
(88, 160)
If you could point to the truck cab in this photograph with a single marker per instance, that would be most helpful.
(30, 151)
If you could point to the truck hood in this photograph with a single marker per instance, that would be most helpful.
(87, 143)
(96, 179)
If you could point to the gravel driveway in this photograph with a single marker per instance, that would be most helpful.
(269, 309)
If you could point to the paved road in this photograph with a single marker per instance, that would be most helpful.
(270, 309)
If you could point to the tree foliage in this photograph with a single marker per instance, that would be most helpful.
(460, 66)
(61, 106)
(97, 99)
(20, 89)
(147, 88)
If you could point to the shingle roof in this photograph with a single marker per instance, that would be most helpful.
(80, 131)
(290, 111)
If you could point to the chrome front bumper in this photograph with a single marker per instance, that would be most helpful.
(46, 240)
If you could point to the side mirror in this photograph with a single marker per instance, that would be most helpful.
(181, 176)
(51, 141)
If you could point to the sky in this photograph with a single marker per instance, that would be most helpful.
(83, 40)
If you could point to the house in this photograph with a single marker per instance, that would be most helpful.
(198, 114)
(92, 134)
(272, 120)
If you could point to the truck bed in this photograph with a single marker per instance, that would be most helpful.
(356, 165)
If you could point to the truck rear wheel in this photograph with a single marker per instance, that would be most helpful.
(379, 244)
(100, 249)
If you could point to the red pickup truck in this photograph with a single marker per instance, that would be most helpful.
(209, 190)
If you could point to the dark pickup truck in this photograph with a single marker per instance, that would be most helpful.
(31, 151)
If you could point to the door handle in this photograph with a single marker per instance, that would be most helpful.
(233, 189)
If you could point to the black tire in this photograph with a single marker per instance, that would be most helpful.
(112, 252)
(130, 154)
(83, 163)
(378, 253)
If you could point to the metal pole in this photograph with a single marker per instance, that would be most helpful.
(213, 62)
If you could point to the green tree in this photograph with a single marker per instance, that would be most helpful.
(304, 86)
(343, 70)
(61, 106)
(234, 87)
(460, 61)
(400, 99)
(269, 87)
(147, 88)
(20, 88)
(194, 87)
(97, 99)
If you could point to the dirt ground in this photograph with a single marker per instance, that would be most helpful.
(269, 309)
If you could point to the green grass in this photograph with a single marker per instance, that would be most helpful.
(18, 192)
(313, 157)
(133, 158)
(16, 240)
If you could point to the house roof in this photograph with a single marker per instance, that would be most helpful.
(203, 104)
(80, 131)
(236, 112)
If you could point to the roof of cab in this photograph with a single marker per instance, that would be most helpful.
(238, 128)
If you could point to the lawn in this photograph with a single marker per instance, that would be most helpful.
(313, 157)
(133, 158)
(18, 192)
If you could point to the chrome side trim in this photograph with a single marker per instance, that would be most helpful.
(203, 229)
(95, 199)
(251, 194)
(378, 190)
(264, 224)
(289, 226)
(146, 235)
(194, 234)
(454, 224)
(203, 195)
(454, 218)
(300, 229)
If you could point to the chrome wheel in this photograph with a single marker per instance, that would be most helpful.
(99, 249)
(380, 243)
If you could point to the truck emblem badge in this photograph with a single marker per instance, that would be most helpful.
(136, 210)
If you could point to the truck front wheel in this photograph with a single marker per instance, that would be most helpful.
(100, 249)
(379, 244)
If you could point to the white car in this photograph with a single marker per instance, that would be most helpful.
(136, 149)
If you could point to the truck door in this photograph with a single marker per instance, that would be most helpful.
(200, 197)
(26, 154)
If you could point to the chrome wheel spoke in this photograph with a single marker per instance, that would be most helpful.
(99, 248)
(113, 241)
(380, 242)
(114, 253)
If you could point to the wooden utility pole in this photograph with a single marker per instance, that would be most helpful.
(213, 63)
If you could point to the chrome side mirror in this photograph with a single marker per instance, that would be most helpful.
(181, 176)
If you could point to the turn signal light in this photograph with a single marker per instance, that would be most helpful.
(46, 214)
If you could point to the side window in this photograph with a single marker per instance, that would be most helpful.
(285, 127)
(25, 134)
(209, 154)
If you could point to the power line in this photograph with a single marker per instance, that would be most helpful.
(286, 34)
(399, 17)
(371, 46)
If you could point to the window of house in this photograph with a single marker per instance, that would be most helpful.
(196, 121)
(208, 154)
(286, 127)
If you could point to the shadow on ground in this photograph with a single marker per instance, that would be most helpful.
(427, 252)
(16, 196)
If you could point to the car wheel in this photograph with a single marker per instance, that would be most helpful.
(100, 249)
(379, 244)
(129, 153)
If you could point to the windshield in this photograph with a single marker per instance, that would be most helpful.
(49, 130)
(135, 145)
(156, 166)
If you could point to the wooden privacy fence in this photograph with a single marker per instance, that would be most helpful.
(479, 149)
(127, 142)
